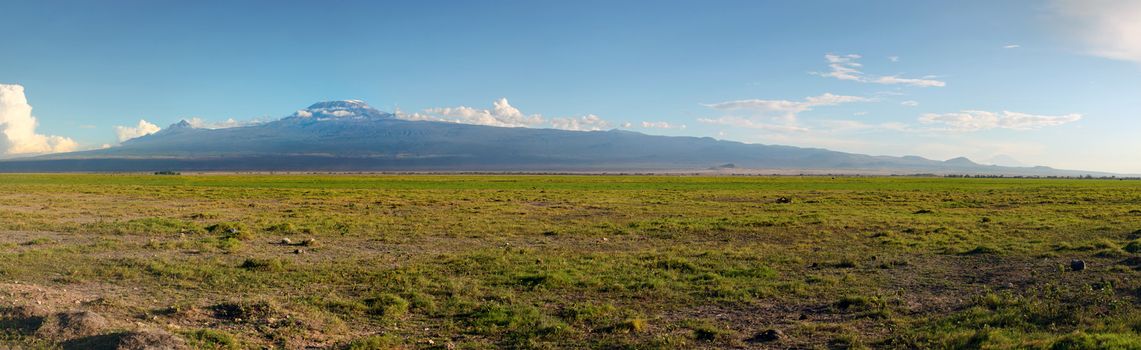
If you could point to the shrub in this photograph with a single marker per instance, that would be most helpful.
(387, 305)
(633, 325)
(283, 228)
(244, 311)
(1134, 246)
(376, 342)
(253, 264)
(230, 230)
(210, 339)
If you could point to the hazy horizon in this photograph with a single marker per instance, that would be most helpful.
(1014, 83)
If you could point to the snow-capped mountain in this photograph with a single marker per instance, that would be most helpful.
(352, 136)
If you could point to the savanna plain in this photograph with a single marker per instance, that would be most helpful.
(229, 261)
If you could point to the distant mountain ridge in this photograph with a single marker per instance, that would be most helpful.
(352, 136)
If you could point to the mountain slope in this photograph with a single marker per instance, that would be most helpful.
(350, 135)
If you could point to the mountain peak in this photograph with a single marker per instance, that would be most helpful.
(960, 161)
(343, 104)
(341, 109)
(182, 124)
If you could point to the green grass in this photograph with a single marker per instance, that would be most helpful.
(530, 261)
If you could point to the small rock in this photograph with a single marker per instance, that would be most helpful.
(286, 241)
(767, 336)
(1077, 265)
(298, 251)
(309, 242)
(784, 200)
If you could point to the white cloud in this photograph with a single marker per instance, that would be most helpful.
(587, 122)
(504, 115)
(909, 103)
(663, 125)
(891, 80)
(1012, 46)
(18, 126)
(845, 67)
(1109, 28)
(893, 58)
(627, 125)
(784, 109)
(199, 123)
(773, 115)
(501, 114)
(125, 133)
(983, 120)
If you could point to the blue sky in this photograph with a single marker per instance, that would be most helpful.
(1043, 82)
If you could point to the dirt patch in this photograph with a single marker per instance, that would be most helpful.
(137, 340)
(73, 324)
(22, 320)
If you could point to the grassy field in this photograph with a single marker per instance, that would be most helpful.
(484, 262)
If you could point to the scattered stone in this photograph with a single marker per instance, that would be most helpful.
(784, 200)
(309, 242)
(767, 336)
(298, 251)
(923, 211)
(1077, 265)
(286, 241)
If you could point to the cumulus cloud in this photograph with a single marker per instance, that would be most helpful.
(144, 128)
(501, 114)
(1109, 28)
(909, 103)
(18, 127)
(1011, 46)
(504, 114)
(845, 67)
(984, 120)
(587, 122)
